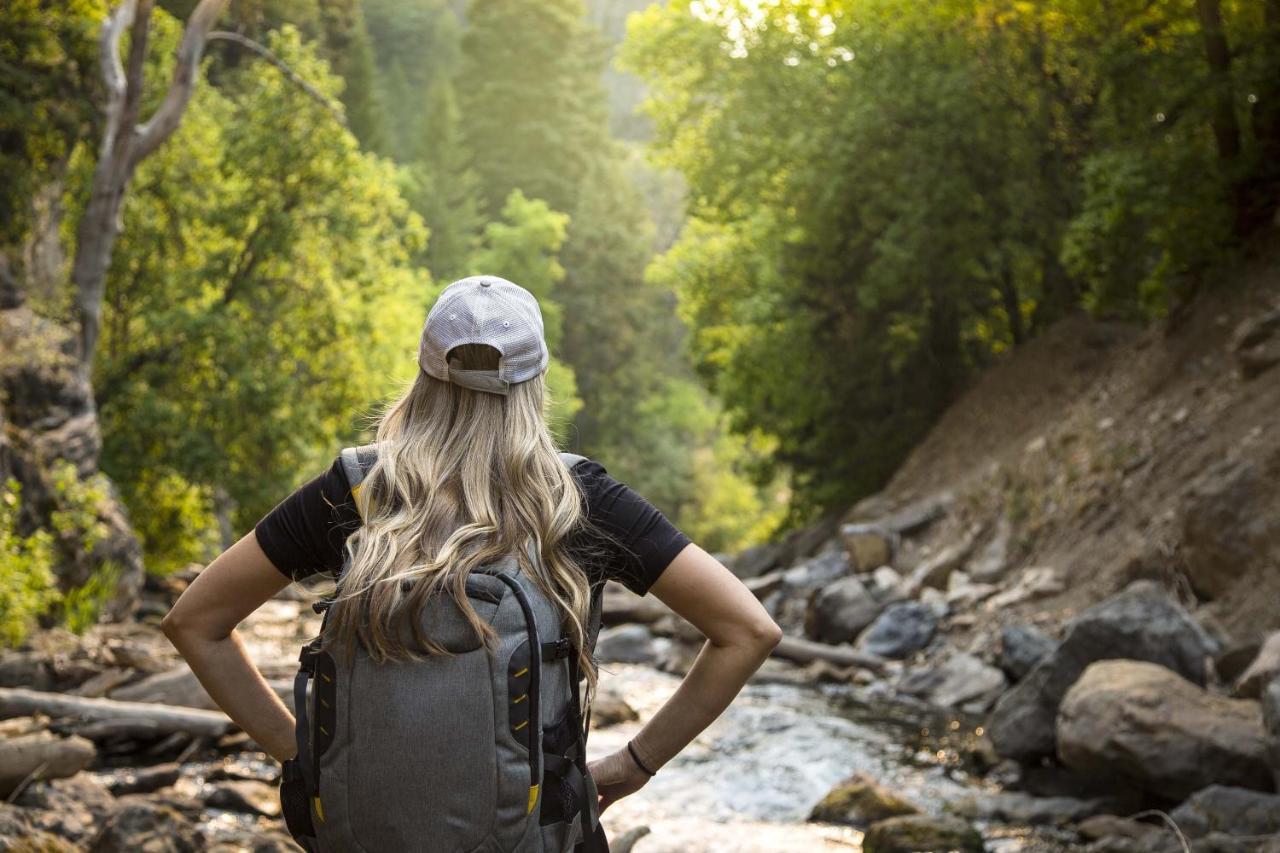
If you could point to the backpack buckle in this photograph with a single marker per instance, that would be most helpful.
(556, 649)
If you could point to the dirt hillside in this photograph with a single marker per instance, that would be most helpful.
(1111, 452)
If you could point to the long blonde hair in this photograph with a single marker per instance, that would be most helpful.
(462, 478)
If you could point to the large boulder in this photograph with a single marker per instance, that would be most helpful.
(1145, 724)
(840, 611)
(1235, 811)
(901, 630)
(1140, 623)
(922, 833)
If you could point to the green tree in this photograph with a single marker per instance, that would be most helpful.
(533, 109)
(524, 246)
(263, 292)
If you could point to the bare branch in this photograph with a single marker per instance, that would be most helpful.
(169, 115)
(120, 18)
(294, 77)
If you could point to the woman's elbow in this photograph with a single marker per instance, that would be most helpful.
(762, 635)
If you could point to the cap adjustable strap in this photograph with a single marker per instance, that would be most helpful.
(479, 380)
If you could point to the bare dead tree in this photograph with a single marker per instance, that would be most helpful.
(126, 142)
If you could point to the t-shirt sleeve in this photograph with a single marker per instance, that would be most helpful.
(640, 541)
(305, 533)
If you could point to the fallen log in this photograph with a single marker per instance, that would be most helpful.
(158, 719)
(623, 606)
(806, 651)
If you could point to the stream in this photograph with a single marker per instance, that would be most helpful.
(748, 782)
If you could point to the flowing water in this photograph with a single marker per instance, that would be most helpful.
(748, 783)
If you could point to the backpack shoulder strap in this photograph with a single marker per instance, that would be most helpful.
(356, 462)
(571, 459)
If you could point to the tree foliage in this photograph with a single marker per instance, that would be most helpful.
(884, 196)
(270, 258)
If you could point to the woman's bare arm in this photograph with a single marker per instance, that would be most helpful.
(201, 625)
(740, 635)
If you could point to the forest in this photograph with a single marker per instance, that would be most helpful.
(774, 240)
(950, 328)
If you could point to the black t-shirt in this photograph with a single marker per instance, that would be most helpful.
(305, 533)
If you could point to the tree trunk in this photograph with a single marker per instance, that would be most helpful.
(1226, 127)
(158, 719)
(126, 143)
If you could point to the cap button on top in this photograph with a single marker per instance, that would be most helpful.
(485, 283)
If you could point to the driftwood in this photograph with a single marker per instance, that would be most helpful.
(41, 755)
(153, 718)
(806, 651)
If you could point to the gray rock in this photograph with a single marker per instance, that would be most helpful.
(903, 628)
(1021, 648)
(922, 834)
(626, 644)
(1234, 811)
(1141, 723)
(816, 572)
(1141, 623)
(962, 680)
(841, 610)
(1264, 669)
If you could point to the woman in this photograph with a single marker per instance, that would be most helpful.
(466, 469)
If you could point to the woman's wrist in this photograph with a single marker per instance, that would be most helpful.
(638, 760)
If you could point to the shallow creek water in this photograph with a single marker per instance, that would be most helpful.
(747, 784)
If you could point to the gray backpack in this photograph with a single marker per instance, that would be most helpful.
(461, 753)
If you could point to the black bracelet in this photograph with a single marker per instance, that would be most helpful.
(631, 749)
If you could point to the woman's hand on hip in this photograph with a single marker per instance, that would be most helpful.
(616, 776)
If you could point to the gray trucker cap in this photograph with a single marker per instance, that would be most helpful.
(485, 309)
